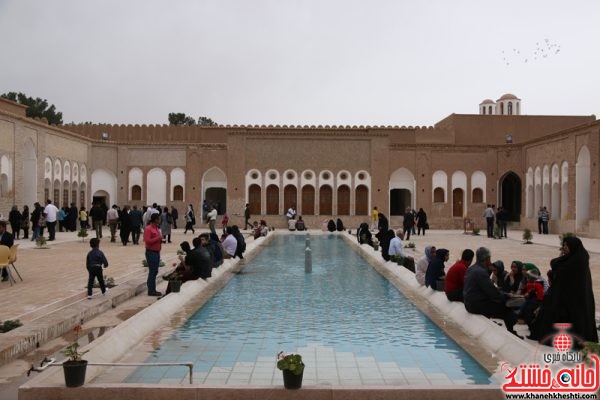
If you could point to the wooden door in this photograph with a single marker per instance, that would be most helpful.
(457, 203)
(272, 200)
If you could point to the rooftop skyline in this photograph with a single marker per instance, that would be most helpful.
(300, 62)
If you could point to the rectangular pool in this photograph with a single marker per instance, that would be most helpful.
(351, 325)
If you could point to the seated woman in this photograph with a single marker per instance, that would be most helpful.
(435, 269)
(331, 226)
(423, 263)
(339, 225)
(513, 278)
(256, 230)
(264, 229)
(534, 295)
(217, 250)
(188, 269)
(300, 224)
(498, 275)
(363, 234)
(291, 224)
(185, 246)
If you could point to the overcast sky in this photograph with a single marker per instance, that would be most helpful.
(378, 62)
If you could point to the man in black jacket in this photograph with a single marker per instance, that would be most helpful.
(480, 294)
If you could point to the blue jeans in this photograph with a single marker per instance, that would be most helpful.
(36, 232)
(153, 259)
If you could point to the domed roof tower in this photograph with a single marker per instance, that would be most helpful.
(487, 107)
(508, 104)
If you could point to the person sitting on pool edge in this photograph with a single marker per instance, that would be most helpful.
(291, 224)
(481, 296)
(455, 278)
(300, 224)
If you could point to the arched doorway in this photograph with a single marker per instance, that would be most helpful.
(101, 197)
(402, 186)
(361, 205)
(214, 189)
(458, 196)
(343, 200)
(325, 200)
(290, 194)
(272, 200)
(254, 199)
(510, 195)
(308, 200)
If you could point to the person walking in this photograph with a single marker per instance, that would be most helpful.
(152, 242)
(174, 216)
(408, 223)
(94, 263)
(190, 219)
(540, 219)
(136, 224)
(112, 217)
(502, 220)
(165, 225)
(125, 225)
(36, 215)
(97, 215)
(83, 218)
(247, 216)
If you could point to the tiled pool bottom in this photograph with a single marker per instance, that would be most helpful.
(351, 326)
(324, 366)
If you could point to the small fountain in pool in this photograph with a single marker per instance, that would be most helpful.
(307, 256)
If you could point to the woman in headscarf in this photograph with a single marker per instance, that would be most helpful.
(339, 225)
(435, 269)
(384, 241)
(423, 263)
(363, 235)
(217, 250)
(570, 298)
(513, 278)
(498, 274)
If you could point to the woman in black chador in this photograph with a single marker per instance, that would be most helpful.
(570, 299)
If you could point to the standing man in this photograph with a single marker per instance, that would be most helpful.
(374, 219)
(502, 220)
(540, 219)
(7, 240)
(205, 210)
(480, 294)
(212, 219)
(488, 214)
(153, 240)
(112, 216)
(247, 216)
(545, 219)
(51, 213)
(136, 224)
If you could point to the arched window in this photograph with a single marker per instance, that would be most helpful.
(272, 200)
(361, 206)
(501, 108)
(438, 195)
(136, 193)
(483, 109)
(308, 200)
(254, 199)
(289, 197)
(343, 200)
(510, 108)
(325, 200)
(477, 195)
(490, 110)
(178, 193)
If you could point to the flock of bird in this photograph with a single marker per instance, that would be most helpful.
(543, 49)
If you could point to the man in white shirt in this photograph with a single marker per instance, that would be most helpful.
(396, 246)
(291, 212)
(50, 213)
(212, 219)
(112, 217)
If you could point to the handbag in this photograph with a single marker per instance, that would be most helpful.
(426, 225)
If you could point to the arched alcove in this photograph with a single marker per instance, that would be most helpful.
(402, 189)
(510, 195)
(156, 187)
(29, 173)
(214, 188)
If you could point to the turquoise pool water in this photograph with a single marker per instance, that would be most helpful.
(351, 325)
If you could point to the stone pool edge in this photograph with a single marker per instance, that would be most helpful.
(503, 346)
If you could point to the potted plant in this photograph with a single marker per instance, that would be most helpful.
(41, 243)
(375, 244)
(74, 368)
(411, 245)
(476, 231)
(293, 369)
(82, 234)
(527, 236)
